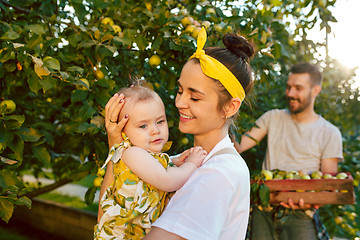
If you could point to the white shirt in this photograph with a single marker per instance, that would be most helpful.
(298, 146)
(214, 202)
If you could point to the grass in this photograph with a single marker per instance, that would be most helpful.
(11, 235)
(70, 201)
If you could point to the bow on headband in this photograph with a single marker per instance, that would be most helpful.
(216, 70)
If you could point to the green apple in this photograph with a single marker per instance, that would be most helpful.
(98, 181)
(316, 175)
(305, 176)
(116, 28)
(107, 21)
(267, 174)
(279, 175)
(327, 176)
(289, 175)
(341, 175)
(195, 32)
(154, 60)
(100, 172)
(184, 140)
(210, 11)
(10, 106)
(190, 28)
(187, 21)
(206, 24)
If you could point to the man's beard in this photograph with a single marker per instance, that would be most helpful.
(303, 104)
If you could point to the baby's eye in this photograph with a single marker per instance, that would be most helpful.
(194, 99)
(160, 122)
(143, 126)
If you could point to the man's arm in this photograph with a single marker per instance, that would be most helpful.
(250, 139)
(329, 165)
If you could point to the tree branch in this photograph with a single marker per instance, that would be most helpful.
(47, 188)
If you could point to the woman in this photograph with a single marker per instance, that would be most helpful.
(214, 202)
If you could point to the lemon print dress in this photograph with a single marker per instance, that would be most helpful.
(130, 205)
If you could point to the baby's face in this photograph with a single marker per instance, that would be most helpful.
(147, 126)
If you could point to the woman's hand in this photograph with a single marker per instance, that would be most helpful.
(301, 205)
(113, 125)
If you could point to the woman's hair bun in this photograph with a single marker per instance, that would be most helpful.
(238, 46)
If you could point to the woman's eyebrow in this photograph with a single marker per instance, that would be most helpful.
(191, 89)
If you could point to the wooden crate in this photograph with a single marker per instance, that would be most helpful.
(312, 191)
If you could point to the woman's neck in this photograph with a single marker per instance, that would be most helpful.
(209, 140)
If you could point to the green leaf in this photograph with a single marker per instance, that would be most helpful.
(5, 135)
(102, 96)
(86, 44)
(52, 63)
(78, 96)
(157, 43)
(8, 178)
(17, 146)
(34, 41)
(36, 28)
(7, 55)
(76, 69)
(141, 42)
(6, 209)
(41, 153)
(264, 195)
(14, 121)
(47, 83)
(10, 35)
(34, 84)
(124, 40)
(90, 195)
(29, 134)
(111, 48)
(24, 201)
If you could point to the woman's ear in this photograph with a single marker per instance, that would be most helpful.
(232, 107)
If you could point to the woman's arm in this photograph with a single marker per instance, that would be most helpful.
(151, 171)
(108, 179)
(160, 234)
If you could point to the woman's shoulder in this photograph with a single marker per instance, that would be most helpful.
(227, 164)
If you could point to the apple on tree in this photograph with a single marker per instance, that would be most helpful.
(10, 106)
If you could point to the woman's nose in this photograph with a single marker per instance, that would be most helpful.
(180, 101)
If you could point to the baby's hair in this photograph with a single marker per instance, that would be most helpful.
(139, 91)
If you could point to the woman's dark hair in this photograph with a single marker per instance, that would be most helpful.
(236, 57)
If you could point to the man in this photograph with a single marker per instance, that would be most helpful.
(298, 139)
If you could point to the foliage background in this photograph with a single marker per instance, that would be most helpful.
(49, 47)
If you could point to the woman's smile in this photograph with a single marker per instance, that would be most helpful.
(184, 117)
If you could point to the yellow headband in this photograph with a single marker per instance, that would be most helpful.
(215, 69)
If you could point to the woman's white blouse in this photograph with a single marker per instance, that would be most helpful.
(214, 203)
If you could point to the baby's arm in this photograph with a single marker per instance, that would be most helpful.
(152, 172)
(181, 158)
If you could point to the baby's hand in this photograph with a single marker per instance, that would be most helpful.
(196, 155)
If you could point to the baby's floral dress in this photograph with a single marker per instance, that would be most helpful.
(130, 205)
